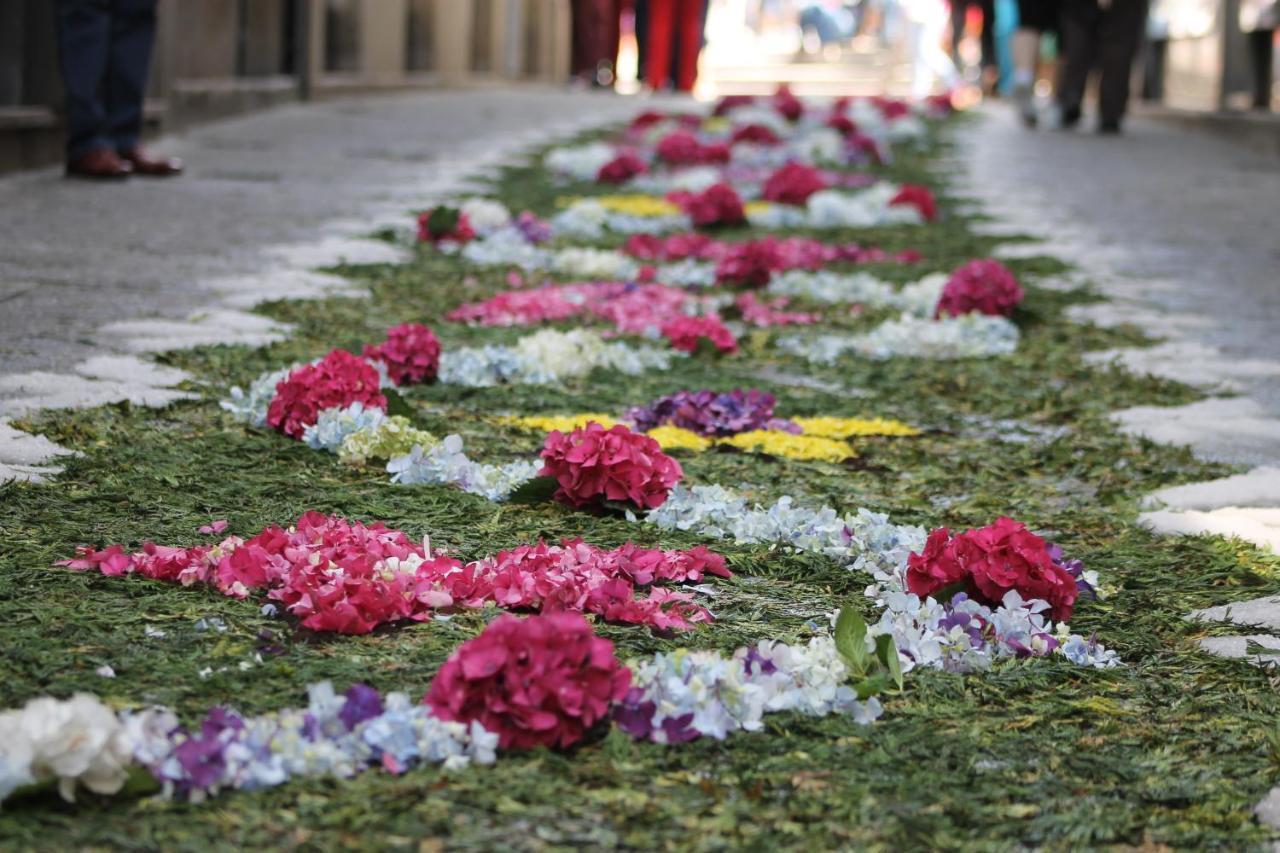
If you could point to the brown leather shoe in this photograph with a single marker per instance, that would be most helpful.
(155, 167)
(99, 164)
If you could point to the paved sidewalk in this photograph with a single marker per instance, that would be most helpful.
(1177, 226)
(261, 195)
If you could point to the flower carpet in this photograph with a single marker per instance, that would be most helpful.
(702, 482)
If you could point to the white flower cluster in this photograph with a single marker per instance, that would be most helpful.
(588, 218)
(579, 162)
(251, 406)
(694, 179)
(333, 426)
(546, 357)
(446, 464)
(687, 694)
(485, 215)
(968, 336)
(863, 540)
(594, 264)
(507, 247)
(863, 209)
(918, 299)
(688, 272)
(77, 741)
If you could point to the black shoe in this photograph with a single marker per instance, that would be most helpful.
(1109, 128)
(1070, 118)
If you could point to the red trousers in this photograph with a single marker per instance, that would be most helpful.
(674, 26)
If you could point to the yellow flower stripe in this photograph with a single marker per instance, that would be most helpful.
(634, 204)
(675, 438)
(827, 427)
(755, 208)
(776, 442)
(822, 439)
(564, 423)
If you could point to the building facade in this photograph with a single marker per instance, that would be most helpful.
(216, 58)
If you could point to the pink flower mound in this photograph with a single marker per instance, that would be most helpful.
(630, 308)
(349, 578)
(763, 314)
(539, 681)
(793, 184)
(442, 223)
(682, 148)
(788, 105)
(918, 197)
(579, 577)
(337, 380)
(621, 169)
(718, 204)
(892, 108)
(755, 134)
(648, 118)
(732, 102)
(989, 562)
(750, 264)
(842, 124)
(685, 333)
(677, 247)
(594, 464)
(985, 286)
(411, 353)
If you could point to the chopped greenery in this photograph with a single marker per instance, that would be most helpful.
(1172, 749)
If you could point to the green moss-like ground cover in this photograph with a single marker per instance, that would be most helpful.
(1173, 749)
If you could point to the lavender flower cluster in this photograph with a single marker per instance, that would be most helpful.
(711, 413)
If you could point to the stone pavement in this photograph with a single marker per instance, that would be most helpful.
(93, 276)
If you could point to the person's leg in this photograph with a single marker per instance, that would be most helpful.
(988, 33)
(1077, 26)
(1260, 53)
(659, 36)
(959, 11)
(1026, 53)
(84, 39)
(1120, 30)
(691, 25)
(133, 32)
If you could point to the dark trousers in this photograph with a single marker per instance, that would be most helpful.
(104, 47)
(1260, 50)
(1108, 39)
(959, 9)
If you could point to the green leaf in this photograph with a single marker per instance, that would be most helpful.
(536, 491)
(887, 652)
(443, 220)
(851, 639)
(872, 686)
(396, 404)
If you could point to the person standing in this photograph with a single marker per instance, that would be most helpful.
(596, 32)
(104, 49)
(1258, 21)
(987, 37)
(673, 41)
(1105, 32)
(1035, 18)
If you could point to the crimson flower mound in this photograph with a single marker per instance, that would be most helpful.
(750, 264)
(793, 184)
(985, 286)
(594, 464)
(989, 562)
(444, 223)
(718, 204)
(686, 333)
(336, 381)
(540, 681)
(920, 198)
(411, 353)
(621, 169)
(682, 148)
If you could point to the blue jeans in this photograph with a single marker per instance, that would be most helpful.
(104, 49)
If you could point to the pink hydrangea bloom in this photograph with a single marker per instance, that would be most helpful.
(793, 184)
(411, 354)
(539, 681)
(685, 333)
(718, 204)
(592, 465)
(918, 197)
(985, 286)
(621, 169)
(336, 381)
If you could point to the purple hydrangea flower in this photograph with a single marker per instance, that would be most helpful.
(710, 413)
(363, 703)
